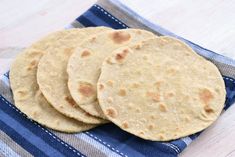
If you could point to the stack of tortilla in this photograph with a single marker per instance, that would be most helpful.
(156, 88)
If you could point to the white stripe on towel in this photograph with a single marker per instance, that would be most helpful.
(7, 151)
(97, 145)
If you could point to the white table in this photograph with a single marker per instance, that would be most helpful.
(210, 24)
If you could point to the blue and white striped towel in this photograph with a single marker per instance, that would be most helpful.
(20, 136)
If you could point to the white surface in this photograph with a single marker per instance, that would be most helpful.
(210, 24)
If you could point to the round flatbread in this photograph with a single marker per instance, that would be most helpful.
(161, 90)
(30, 100)
(85, 63)
(52, 76)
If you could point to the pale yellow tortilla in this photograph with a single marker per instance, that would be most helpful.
(52, 76)
(85, 63)
(30, 100)
(161, 90)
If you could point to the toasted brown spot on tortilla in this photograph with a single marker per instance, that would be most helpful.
(125, 51)
(138, 110)
(141, 133)
(29, 68)
(101, 86)
(85, 53)
(169, 95)
(35, 114)
(87, 114)
(22, 93)
(205, 96)
(152, 117)
(130, 107)
(33, 63)
(109, 61)
(186, 98)
(162, 107)
(135, 85)
(109, 99)
(187, 54)
(93, 39)
(154, 96)
(70, 101)
(68, 51)
(150, 126)
(158, 84)
(139, 32)
(122, 55)
(122, 92)
(161, 137)
(86, 89)
(120, 37)
(125, 125)
(138, 46)
(208, 109)
(138, 72)
(157, 67)
(110, 83)
(217, 90)
(171, 71)
(111, 112)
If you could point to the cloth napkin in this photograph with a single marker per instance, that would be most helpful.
(20, 136)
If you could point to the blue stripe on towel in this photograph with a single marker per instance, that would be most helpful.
(97, 16)
(230, 91)
(92, 17)
(85, 22)
(107, 17)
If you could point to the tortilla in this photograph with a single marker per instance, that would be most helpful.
(85, 63)
(161, 90)
(30, 100)
(52, 77)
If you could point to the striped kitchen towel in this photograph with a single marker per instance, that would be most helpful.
(20, 136)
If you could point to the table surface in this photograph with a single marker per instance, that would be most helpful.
(210, 24)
